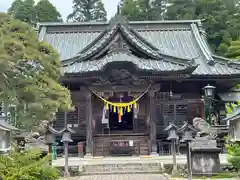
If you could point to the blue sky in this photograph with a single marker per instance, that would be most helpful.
(65, 6)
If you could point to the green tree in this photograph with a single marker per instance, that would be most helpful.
(26, 11)
(14, 7)
(46, 12)
(181, 10)
(234, 154)
(130, 9)
(142, 10)
(234, 50)
(30, 72)
(87, 10)
(159, 9)
(220, 19)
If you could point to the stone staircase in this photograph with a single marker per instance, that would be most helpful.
(119, 168)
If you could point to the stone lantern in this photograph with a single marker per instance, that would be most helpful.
(49, 138)
(187, 131)
(66, 138)
(173, 136)
(5, 136)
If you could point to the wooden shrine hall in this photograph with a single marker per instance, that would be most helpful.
(129, 80)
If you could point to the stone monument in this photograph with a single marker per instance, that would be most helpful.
(204, 152)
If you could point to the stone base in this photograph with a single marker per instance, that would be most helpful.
(175, 172)
(205, 163)
(154, 154)
(66, 174)
(88, 156)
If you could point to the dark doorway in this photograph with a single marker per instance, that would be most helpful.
(126, 122)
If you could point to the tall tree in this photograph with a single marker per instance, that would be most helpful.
(29, 73)
(130, 9)
(14, 7)
(27, 11)
(88, 10)
(46, 12)
(181, 9)
(234, 50)
(142, 10)
(219, 19)
(159, 9)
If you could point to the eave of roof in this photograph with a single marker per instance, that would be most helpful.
(187, 126)
(234, 116)
(230, 96)
(141, 64)
(7, 127)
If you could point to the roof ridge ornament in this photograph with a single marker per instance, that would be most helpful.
(118, 9)
(118, 18)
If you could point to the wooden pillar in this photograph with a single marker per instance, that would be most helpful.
(65, 119)
(152, 113)
(88, 104)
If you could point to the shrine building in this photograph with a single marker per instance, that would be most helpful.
(129, 80)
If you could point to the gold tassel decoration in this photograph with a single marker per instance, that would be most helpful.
(128, 109)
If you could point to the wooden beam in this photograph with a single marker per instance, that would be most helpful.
(125, 88)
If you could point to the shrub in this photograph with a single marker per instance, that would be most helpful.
(234, 155)
(29, 165)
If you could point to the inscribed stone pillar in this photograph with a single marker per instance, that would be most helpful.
(152, 109)
(205, 157)
(89, 123)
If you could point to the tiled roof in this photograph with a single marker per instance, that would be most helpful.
(142, 64)
(234, 116)
(179, 39)
(7, 127)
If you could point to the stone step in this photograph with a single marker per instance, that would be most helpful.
(121, 168)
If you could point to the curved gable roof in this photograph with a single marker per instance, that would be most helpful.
(183, 40)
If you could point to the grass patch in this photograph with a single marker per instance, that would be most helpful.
(225, 175)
